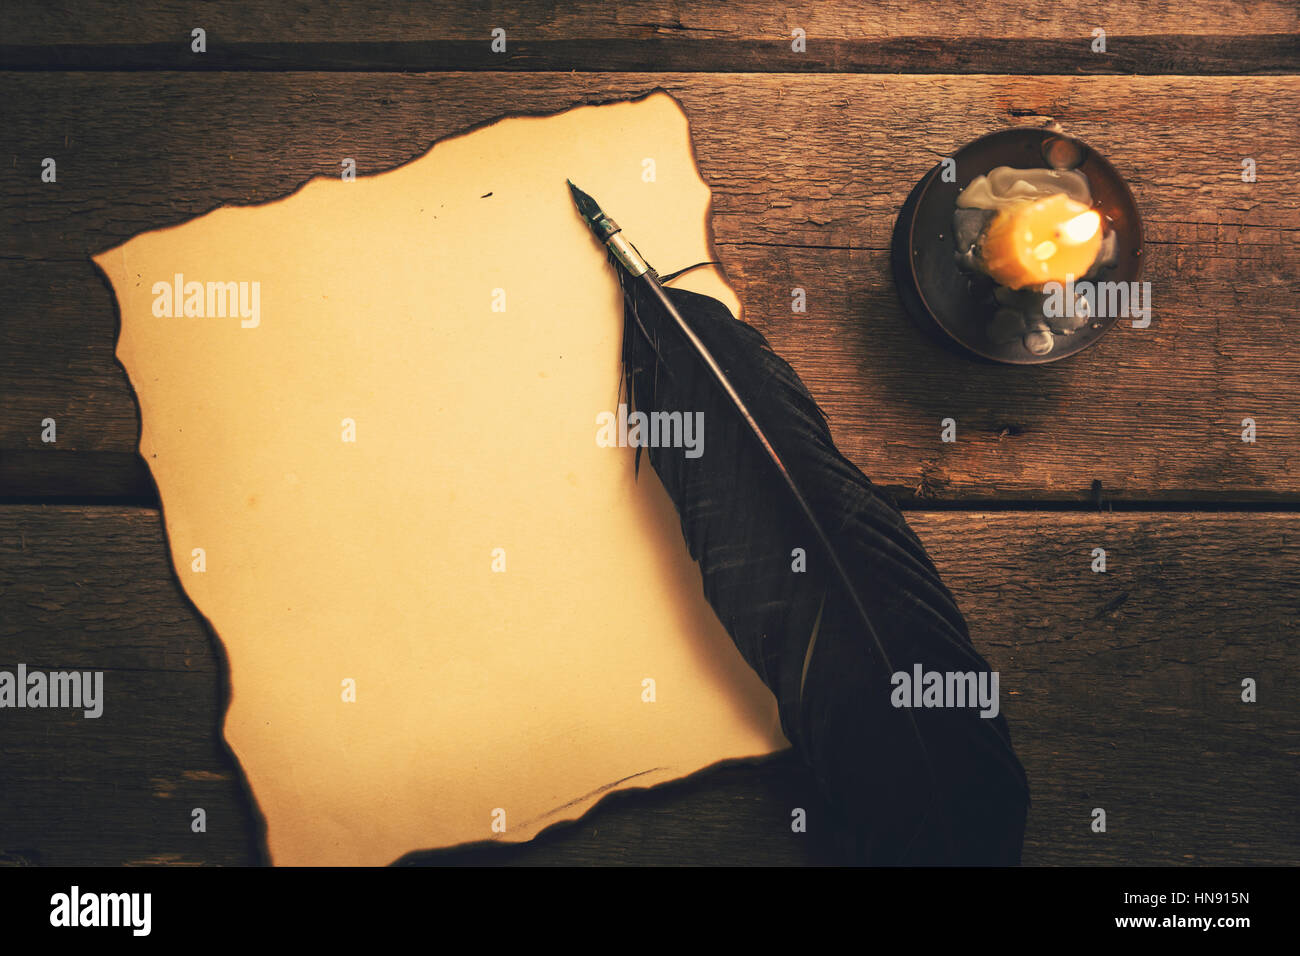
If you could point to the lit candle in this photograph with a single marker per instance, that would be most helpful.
(1033, 242)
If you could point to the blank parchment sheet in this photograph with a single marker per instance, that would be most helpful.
(370, 408)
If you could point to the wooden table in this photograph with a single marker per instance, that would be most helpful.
(1122, 689)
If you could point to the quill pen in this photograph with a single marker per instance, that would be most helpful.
(826, 592)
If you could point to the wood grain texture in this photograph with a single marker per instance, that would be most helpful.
(1122, 691)
(807, 174)
(46, 22)
(923, 36)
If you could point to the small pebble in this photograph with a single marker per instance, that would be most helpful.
(1039, 342)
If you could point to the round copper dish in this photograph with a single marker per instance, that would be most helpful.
(958, 304)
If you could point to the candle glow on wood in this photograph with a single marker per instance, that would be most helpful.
(1034, 242)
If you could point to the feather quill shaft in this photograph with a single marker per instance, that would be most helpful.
(905, 783)
(656, 289)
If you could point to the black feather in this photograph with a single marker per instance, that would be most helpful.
(914, 786)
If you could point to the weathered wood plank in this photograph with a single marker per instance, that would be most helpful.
(38, 22)
(1153, 415)
(1122, 690)
(93, 590)
(1253, 54)
(929, 36)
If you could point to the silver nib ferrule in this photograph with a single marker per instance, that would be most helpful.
(609, 232)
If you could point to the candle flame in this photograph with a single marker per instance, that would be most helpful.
(1082, 227)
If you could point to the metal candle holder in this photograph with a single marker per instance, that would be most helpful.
(958, 305)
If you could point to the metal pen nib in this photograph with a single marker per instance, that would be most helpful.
(608, 232)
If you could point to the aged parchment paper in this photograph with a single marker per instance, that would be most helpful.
(455, 320)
